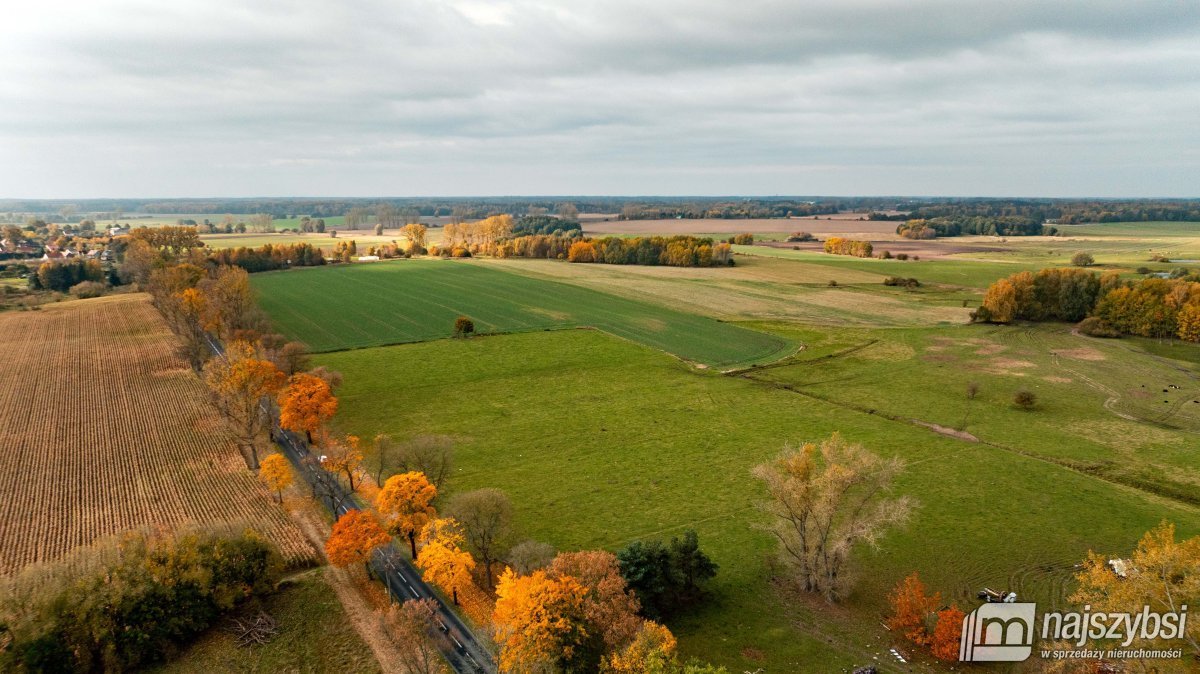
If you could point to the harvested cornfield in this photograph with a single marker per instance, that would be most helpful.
(103, 428)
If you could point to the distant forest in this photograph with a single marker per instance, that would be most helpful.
(959, 210)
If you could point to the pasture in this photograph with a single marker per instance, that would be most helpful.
(353, 306)
(600, 442)
(840, 224)
(105, 428)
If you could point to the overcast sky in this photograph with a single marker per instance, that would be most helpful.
(633, 97)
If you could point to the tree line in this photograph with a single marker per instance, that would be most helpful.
(837, 245)
(1151, 307)
(132, 601)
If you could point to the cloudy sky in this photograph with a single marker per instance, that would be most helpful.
(633, 97)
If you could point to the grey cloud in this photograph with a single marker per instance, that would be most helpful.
(426, 97)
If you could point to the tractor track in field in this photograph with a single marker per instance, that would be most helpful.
(1193, 505)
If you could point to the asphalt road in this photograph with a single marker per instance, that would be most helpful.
(465, 652)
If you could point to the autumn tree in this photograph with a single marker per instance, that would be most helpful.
(609, 608)
(826, 499)
(431, 455)
(1162, 573)
(415, 233)
(463, 326)
(343, 457)
(947, 634)
(442, 560)
(911, 609)
(276, 473)
(241, 380)
(306, 404)
(411, 625)
(486, 516)
(231, 303)
(540, 623)
(406, 501)
(354, 537)
(651, 650)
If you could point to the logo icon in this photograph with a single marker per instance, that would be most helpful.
(998, 633)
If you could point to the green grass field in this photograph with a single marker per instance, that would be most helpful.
(600, 442)
(353, 306)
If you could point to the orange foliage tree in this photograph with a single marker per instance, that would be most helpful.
(406, 500)
(540, 622)
(240, 381)
(582, 251)
(910, 609)
(306, 404)
(610, 608)
(354, 537)
(947, 634)
(442, 560)
(276, 474)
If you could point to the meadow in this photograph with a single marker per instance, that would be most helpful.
(600, 442)
(353, 306)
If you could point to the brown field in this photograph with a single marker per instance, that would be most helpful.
(103, 428)
(840, 224)
(929, 249)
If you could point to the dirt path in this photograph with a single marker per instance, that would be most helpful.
(359, 597)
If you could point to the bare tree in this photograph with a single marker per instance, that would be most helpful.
(486, 516)
(262, 222)
(429, 454)
(529, 556)
(386, 215)
(356, 216)
(825, 500)
(410, 625)
(383, 458)
(568, 211)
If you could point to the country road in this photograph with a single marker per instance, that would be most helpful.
(465, 653)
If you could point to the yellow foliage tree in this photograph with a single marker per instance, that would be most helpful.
(240, 381)
(1163, 574)
(406, 500)
(652, 650)
(442, 560)
(1189, 322)
(276, 474)
(539, 622)
(1001, 301)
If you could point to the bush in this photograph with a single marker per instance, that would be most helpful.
(379, 229)
(1083, 260)
(1144, 271)
(833, 283)
(885, 255)
(87, 289)
(1094, 326)
(902, 256)
(1025, 399)
(743, 239)
(463, 326)
(131, 603)
(901, 282)
(801, 237)
(460, 252)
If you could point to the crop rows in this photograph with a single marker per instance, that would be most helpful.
(103, 429)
